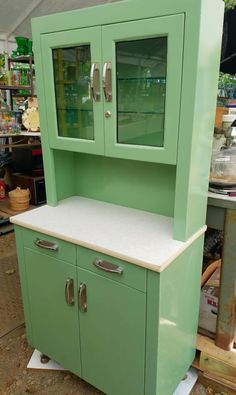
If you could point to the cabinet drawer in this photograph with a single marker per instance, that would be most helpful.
(50, 245)
(113, 268)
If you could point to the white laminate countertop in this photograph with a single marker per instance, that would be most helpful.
(135, 236)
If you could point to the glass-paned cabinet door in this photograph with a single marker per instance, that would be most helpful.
(142, 69)
(72, 70)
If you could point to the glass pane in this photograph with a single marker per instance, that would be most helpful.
(72, 87)
(141, 89)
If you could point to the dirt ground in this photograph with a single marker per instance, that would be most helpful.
(15, 353)
(16, 379)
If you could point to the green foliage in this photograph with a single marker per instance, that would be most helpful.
(229, 4)
(2, 60)
(226, 85)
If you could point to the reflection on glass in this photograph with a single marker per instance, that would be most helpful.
(72, 87)
(141, 89)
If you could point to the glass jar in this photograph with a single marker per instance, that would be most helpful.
(223, 167)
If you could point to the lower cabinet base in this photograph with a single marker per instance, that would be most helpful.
(129, 334)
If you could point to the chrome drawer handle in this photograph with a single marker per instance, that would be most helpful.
(69, 292)
(82, 297)
(46, 244)
(108, 267)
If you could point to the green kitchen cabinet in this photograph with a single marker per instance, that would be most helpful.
(126, 107)
(117, 325)
(127, 94)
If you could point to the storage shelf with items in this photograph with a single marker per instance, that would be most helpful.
(19, 79)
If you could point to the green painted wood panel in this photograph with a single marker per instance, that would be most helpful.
(132, 276)
(91, 37)
(114, 13)
(65, 177)
(54, 323)
(171, 27)
(65, 251)
(198, 106)
(134, 184)
(112, 335)
(200, 62)
(172, 319)
(23, 281)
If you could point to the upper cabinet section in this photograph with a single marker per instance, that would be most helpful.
(114, 90)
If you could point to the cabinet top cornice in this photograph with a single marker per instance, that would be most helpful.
(116, 12)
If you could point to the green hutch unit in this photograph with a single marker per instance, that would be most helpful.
(110, 268)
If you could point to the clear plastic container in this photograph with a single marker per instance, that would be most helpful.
(223, 167)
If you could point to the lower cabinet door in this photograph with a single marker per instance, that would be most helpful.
(53, 308)
(112, 329)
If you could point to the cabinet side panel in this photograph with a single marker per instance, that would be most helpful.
(152, 332)
(179, 308)
(23, 281)
(140, 185)
(48, 159)
(199, 92)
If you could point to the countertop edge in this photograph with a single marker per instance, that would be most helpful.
(115, 254)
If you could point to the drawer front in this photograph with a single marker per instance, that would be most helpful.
(113, 268)
(50, 245)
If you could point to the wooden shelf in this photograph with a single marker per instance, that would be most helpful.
(19, 145)
(21, 59)
(29, 134)
(15, 87)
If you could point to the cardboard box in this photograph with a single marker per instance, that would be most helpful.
(209, 303)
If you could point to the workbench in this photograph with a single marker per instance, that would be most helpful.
(221, 214)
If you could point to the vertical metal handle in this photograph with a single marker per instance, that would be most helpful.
(95, 82)
(82, 297)
(107, 81)
(69, 292)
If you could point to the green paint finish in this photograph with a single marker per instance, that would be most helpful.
(65, 175)
(65, 251)
(198, 103)
(172, 317)
(65, 122)
(138, 334)
(114, 13)
(132, 276)
(55, 328)
(159, 331)
(140, 185)
(112, 335)
(23, 281)
(194, 113)
(144, 128)
(69, 121)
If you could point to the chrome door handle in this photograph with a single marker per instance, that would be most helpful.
(82, 297)
(108, 267)
(107, 81)
(69, 292)
(95, 82)
(46, 244)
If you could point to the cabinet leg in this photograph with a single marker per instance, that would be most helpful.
(44, 358)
